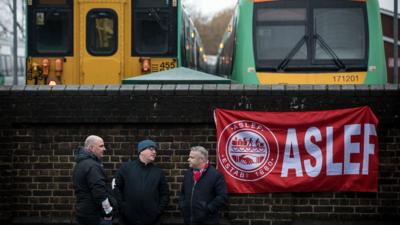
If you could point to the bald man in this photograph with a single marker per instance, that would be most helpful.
(90, 184)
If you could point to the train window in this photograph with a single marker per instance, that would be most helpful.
(53, 32)
(102, 32)
(154, 29)
(52, 2)
(275, 42)
(153, 38)
(334, 26)
(291, 14)
(310, 34)
(279, 31)
(152, 3)
(50, 29)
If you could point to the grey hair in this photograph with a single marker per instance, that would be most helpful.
(91, 140)
(203, 151)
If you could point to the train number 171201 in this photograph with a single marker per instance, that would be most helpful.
(346, 79)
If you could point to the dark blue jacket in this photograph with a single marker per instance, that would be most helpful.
(142, 193)
(90, 185)
(201, 202)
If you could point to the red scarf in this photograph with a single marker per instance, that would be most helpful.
(197, 173)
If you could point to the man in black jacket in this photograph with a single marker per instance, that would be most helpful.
(141, 188)
(93, 205)
(203, 190)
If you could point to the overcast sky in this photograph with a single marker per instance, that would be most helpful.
(212, 6)
(206, 7)
(209, 7)
(387, 4)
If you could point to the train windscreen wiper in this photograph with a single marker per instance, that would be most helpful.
(283, 64)
(339, 63)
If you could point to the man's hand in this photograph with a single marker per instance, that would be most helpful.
(108, 218)
(106, 221)
(107, 208)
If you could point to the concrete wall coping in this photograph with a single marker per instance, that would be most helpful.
(199, 89)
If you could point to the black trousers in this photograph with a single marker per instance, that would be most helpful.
(124, 222)
(88, 221)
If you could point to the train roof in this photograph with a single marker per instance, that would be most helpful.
(181, 75)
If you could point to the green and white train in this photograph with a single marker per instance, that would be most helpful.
(306, 42)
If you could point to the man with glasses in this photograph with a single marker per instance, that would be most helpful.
(141, 188)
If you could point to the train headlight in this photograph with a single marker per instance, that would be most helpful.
(46, 67)
(146, 63)
(36, 70)
(52, 83)
(59, 67)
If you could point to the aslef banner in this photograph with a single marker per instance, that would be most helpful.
(318, 151)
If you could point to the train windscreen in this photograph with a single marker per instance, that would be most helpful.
(50, 30)
(154, 28)
(310, 35)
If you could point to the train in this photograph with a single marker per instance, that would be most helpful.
(307, 42)
(266, 42)
(191, 53)
(99, 42)
(105, 42)
(227, 47)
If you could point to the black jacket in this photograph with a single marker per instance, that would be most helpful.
(142, 193)
(89, 180)
(200, 202)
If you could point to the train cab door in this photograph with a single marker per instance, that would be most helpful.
(100, 28)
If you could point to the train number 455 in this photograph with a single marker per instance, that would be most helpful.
(167, 65)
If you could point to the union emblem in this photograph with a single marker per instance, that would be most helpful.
(247, 150)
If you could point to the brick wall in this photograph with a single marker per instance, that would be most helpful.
(40, 126)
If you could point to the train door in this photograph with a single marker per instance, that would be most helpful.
(101, 24)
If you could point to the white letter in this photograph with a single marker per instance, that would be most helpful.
(288, 162)
(369, 130)
(314, 151)
(350, 148)
(332, 168)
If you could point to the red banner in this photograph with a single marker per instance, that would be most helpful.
(319, 151)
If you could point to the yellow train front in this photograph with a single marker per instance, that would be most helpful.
(99, 42)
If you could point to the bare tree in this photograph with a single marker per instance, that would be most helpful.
(212, 30)
(6, 18)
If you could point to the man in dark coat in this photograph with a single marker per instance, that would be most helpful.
(141, 188)
(203, 190)
(93, 202)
